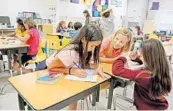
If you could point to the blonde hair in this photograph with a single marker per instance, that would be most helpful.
(124, 32)
(30, 23)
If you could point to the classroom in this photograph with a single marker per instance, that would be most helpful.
(86, 55)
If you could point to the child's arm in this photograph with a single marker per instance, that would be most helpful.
(58, 66)
(118, 69)
(23, 39)
(135, 58)
(107, 10)
(107, 60)
(11, 34)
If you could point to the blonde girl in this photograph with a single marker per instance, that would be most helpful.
(114, 46)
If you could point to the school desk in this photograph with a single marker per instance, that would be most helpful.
(12, 49)
(6, 30)
(41, 96)
(59, 34)
(114, 82)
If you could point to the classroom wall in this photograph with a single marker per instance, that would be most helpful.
(74, 12)
(136, 12)
(12, 7)
(162, 18)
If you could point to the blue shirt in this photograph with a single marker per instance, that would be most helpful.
(73, 33)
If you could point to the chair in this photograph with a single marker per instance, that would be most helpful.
(154, 36)
(53, 44)
(40, 55)
(65, 41)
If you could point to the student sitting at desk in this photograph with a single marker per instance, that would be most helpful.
(31, 39)
(153, 82)
(77, 27)
(113, 47)
(79, 51)
(70, 25)
(61, 27)
(21, 30)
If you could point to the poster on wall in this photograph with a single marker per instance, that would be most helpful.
(99, 6)
(155, 6)
(74, 1)
(116, 3)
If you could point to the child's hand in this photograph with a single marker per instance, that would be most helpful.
(100, 72)
(17, 35)
(133, 55)
(78, 73)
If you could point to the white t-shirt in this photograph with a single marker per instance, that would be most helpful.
(107, 25)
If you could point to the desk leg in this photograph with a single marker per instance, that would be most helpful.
(20, 62)
(9, 62)
(98, 94)
(21, 103)
(94, 97)
(29, 108)
(170, 59)
(110, 96)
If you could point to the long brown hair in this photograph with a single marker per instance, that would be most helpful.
(155, 61)
(89, 33)
(60, 24)
(138, 30)
(124, 32)
(88, 14)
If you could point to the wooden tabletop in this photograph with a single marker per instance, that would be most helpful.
(59, 34)
(10, 43)
(107, 68)
(4, 47)
(42, 96)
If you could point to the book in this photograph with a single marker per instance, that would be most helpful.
(48, 78)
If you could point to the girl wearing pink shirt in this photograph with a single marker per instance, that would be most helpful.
(31, 39)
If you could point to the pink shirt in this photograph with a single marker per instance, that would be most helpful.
(105, 46)
(33, 41)
(67, 56)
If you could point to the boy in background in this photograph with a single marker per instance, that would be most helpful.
(77, 27)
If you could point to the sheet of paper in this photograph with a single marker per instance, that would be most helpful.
(88, 78)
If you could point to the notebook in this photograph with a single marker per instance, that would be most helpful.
(88, 78)
(49, 79)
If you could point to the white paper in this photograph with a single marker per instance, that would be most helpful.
(88, 78)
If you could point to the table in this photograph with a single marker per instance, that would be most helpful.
(59, 34)
(13, 49)
(40, 96)
(6, 30)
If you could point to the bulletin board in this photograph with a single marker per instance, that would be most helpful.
(99, 6)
